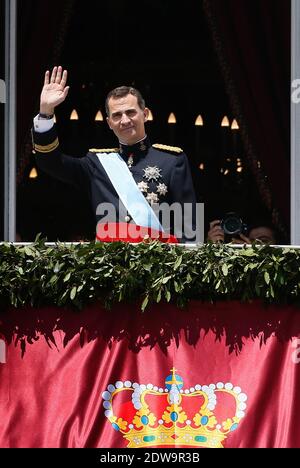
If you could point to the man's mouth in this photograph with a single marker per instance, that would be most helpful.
(127, 129)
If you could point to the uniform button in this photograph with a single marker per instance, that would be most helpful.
(127, 218)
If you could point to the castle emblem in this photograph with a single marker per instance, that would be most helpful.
(201, 416)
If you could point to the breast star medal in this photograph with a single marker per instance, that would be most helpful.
(143, 186)
(152, 198)
(152, 173)
(162, 189)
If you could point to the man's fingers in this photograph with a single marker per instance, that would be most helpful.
(214, 223)
(46, 80)
(64, 78)
(236, 241)
(217, 230)
(58, 75)
(245, 238)
(53, 75)
(65, 91)
(216, 239)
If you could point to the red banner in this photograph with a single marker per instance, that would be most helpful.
(225, 375)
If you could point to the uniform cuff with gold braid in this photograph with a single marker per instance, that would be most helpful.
(42, 116)
(47, 148)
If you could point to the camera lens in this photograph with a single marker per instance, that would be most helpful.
(232, 224)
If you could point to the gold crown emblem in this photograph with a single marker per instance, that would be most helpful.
(201, 416)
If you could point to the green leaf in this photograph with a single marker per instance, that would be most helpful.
(73, 293)
(57, 267)
(166, 279)
(225, 269)
(145, 303)
(189, 279)
(53, 279)
(67, 277)
(158, 297)
(248, 252)
(267, 277)
(28, 251)
(178, 263)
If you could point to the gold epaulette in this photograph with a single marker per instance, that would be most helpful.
(104, 150)
(171, 149)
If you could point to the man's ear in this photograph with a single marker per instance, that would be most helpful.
(146, 114)
(107, 120)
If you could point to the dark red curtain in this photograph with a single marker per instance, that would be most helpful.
(42, 26)
(99, 378)
(252, 41)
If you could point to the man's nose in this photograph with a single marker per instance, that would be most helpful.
(125, 119)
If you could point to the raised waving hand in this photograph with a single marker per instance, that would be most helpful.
(54, 91)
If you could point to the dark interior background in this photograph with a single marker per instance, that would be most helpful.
(207, 57)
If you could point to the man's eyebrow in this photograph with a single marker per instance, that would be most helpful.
(114, 114)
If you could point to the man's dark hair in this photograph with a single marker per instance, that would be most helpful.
(123, 91)
(263, 223)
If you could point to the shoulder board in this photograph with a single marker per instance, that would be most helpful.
(104, 150)
(171, 149)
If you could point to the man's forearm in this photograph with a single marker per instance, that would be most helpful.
(46, 110)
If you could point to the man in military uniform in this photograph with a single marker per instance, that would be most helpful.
(137, 173)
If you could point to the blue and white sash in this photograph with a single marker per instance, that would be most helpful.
(129, 193)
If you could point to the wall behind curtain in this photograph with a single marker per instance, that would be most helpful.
(252, 41)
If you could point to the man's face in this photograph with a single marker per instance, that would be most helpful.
(127, 119)
(264, 234)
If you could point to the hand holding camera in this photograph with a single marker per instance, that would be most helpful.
(230, 229)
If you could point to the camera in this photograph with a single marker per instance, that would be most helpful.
(233, 225)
